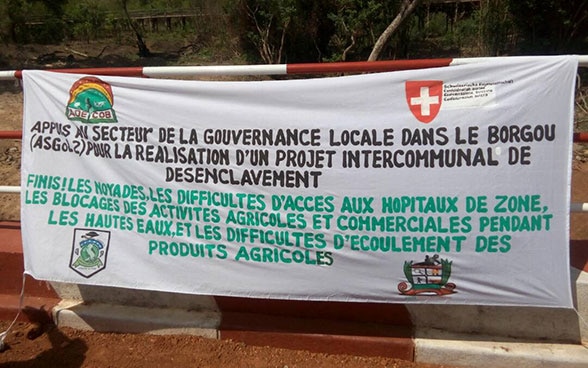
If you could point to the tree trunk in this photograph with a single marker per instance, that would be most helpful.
(143, 49)
(406, 8)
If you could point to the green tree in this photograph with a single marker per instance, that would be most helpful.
(356, 22)
(275, 31)
(86, 19)
(270, 20)
(53, 27)
(553, 26)
(495, 26)
(33, 20)
(15, 20)
(370, 27)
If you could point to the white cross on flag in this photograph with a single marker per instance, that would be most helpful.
(424, 99)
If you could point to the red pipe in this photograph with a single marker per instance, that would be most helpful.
(366, 66)
(581, 137)
(133, 71)
(309, 68)
(10, 134)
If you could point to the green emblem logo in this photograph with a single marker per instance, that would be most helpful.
(428, 277)
(91, 101)
(90, 248)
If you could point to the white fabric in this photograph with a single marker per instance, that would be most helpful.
(117, 202)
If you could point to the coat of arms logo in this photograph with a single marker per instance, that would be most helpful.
(427, 277)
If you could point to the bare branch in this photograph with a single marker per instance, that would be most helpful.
(406, 9)
(279, 58)
(348, 48)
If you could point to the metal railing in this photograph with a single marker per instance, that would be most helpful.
(274, 69)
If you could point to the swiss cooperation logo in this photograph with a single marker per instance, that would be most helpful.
(424, 99)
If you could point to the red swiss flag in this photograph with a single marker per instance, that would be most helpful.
(424, 98)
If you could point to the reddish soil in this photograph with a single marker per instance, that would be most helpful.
(69, 348)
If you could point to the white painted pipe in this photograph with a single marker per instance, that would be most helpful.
(178, 71)
(267, 69)
(9, 189)
(579, 207)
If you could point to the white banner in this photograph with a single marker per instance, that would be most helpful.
(446, 185)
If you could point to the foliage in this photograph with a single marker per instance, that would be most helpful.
(271, 20)
(357, 25)
(13, 19)
(554, 26)
(277, 31)
(466, 34)
(311, 32)
(86, 20)
(495, 26)
(21, 14)
(405, 9)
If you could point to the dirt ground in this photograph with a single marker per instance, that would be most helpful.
(69, 348)
(10, 119)
(31, 346)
